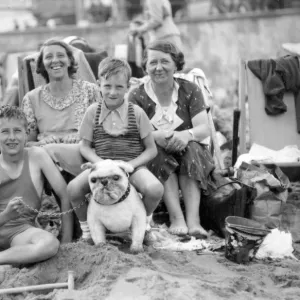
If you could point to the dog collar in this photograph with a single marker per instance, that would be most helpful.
(125, 195)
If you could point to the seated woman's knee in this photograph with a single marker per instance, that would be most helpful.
(50, 149)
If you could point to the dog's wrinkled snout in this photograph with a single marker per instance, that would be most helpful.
(104, 181)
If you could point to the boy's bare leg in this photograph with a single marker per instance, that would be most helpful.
(191, 197)
(32, 245)
(149, 186)
(172, 202)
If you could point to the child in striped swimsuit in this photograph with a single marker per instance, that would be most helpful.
(117, 130)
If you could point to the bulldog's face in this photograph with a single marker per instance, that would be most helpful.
(108, 180)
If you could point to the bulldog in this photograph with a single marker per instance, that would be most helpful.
(115, 204)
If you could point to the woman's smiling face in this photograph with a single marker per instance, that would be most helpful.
(56, 62)
(160, 66)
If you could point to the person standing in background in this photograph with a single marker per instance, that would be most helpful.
(159, 23)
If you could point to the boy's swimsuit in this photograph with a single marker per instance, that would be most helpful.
(122, 147)
(19, 187)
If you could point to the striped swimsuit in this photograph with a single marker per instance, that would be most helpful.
(123, 147)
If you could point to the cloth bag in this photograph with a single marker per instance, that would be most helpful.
(227, 198)
(271, 186)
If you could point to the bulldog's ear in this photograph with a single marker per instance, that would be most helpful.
(128, 168)
(86, 166)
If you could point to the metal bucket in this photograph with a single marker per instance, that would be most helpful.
(242, 238)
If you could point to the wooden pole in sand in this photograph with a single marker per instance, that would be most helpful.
(211, 125)
(242, 105)
(17, 290)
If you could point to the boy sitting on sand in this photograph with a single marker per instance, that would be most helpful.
(22, 174)
(117, 130)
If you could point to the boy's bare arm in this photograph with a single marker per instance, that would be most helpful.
(87, 151)
(59, 186)
(148, 154)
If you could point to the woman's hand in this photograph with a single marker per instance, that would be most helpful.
(50, 140)
(162, 137)
(178, 142)
(14, 208)
(32, 143)
(70, 139)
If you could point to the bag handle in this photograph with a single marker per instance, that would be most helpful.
(234, 181)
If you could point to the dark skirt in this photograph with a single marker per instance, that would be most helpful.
(196, 162)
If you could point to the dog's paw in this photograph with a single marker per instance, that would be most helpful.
(100, 245)
(135, 249)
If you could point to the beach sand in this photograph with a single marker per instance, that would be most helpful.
(110, 272)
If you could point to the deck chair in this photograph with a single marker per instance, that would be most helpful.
(29, 79)
(274, 132)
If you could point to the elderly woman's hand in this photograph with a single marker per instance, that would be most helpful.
(178, 142)
(162, 137)
(71, 139)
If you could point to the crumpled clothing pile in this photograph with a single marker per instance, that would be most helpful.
(160, 238)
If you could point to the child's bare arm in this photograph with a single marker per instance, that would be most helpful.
(87, 151)
(148, 154)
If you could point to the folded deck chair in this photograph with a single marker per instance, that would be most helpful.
(274, 132)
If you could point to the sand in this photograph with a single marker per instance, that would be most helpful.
(110, 272)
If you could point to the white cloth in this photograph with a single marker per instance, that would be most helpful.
(276, 245)
(197, 76)
(261, 154)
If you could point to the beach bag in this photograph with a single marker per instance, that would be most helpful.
(228, 198)
(290, 217)
(271, 186)
(266, 209)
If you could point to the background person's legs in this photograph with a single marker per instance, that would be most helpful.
(30, 246)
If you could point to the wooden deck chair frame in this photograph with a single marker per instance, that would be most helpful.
(274, 132)
(24, 83)
(214, 141)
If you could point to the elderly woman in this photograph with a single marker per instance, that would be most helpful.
(178, 114)
(54, 111)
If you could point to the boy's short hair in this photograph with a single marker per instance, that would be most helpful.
(13, 112)
(110, 66)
